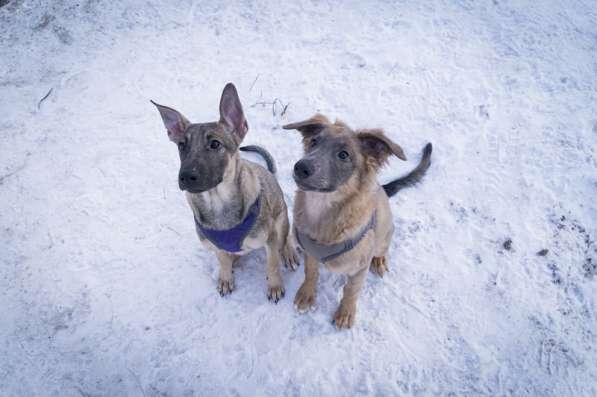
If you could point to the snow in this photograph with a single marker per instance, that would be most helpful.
(105, 290)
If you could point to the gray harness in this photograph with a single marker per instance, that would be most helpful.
(327, 252)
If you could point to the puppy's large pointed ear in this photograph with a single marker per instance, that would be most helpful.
(231, 113)
(376, 147)
(175, 123)
(310, 126)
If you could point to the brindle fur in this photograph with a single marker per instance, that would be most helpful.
(332, 205)
(220, 187)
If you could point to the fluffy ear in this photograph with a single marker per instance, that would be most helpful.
(231, 113)
(309, 127)
(376, 147)
(174, 122)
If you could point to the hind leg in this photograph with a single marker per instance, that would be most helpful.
(275, 285)
(275, 251)
(384, 232)
(379, 265)
(287, 252)
(379, 262)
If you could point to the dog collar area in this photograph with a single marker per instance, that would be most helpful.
(231, 240)
(327, 252)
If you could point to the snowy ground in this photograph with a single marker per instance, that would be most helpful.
(105, 290)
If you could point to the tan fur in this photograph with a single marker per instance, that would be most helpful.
(334, 217)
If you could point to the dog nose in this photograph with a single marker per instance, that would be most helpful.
(186, 177)
(303, 169)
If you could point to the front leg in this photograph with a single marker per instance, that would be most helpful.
(226, 278)
(275, 286)
(347, 310)
(305, 296)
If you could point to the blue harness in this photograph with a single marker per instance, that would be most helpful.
(231, 240)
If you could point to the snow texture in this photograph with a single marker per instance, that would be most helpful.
(106, 291)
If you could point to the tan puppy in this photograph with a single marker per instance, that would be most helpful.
(342, 215)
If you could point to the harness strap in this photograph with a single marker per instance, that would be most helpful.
(328, 252)
(231, 240)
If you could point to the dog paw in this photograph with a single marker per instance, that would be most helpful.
(290, 259)
(344, 316)
(225, 287)
(291, 265)
(304, 299)
(274, 294)
(379, 265)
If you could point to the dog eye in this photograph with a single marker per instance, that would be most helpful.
(313, 142)
(181, 145)
(343, 155)
(214, 144)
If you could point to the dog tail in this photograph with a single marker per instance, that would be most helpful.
(269, 160)
(412, 177)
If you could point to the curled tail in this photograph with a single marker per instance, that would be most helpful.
(269, 160)
(412, 177)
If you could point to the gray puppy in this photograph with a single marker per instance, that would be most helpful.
(238, 205)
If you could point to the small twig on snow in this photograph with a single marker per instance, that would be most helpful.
(273, 105)
(172, 229)
(82, 392)
(285, 109)
(137, 381)
(44, 98)
(254, 81)
(11, 173)
(261, 103)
